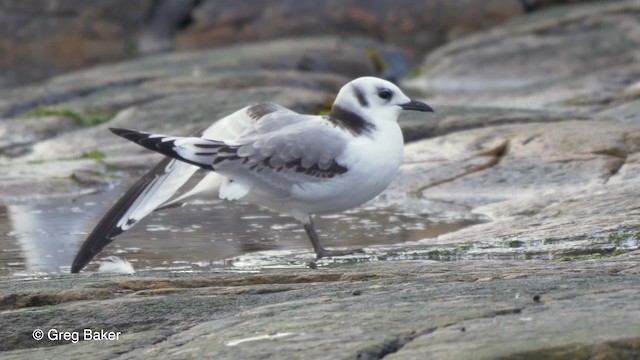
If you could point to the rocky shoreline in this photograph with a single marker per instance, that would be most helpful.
(537, 133)
(485, 309)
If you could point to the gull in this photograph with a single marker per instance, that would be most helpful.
(265, 154)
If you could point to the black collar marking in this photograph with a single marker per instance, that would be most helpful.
(349, 121)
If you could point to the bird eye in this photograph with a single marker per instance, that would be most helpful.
(385, 94)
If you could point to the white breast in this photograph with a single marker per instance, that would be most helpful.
(372, 162)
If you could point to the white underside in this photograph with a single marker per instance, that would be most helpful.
(372, 163)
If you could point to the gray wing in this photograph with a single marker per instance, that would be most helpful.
(305, 150)
(257, 117)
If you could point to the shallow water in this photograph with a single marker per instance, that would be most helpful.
(44, 237)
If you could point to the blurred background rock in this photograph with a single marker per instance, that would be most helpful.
(43, 38)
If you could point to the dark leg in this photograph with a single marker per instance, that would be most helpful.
(320, 251)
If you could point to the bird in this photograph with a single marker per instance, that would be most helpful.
(293, 164)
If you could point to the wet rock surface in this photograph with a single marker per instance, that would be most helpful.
(545, 153)
(565, 170)
(400, 309)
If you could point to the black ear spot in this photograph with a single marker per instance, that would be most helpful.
(385, 94)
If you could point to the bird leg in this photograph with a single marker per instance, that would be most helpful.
(320, 251)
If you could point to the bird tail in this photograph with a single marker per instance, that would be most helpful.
(192, 150)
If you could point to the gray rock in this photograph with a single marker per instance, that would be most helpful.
(416, 25)
(551, 270)
(42, 39)
(134, 82)
(561, 58)
(45, 38)
(399, 309)
(18, 135)
(537, 174)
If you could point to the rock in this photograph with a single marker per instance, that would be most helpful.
(540, 173)
(45, 38)
(625, 111)
(415, 25)
(451, 119)
(522, 159)
(443, 309)
(134, 82)
(535, 180)
(559, 58)
(18, 135)
(64, 35)
(548, 268)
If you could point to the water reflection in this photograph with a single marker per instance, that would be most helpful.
(44, 237)
(39, 238)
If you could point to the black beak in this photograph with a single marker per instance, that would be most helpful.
(416, 105)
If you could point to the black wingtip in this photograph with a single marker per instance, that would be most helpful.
(155, 142)
(77, 266)
(101, 236)
(107, 229)
(131, 135)
(162, 144)
(118, 131)
(90, 248)
(128, 134)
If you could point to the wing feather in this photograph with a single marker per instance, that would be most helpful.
(155, 189)
(149, 192)
(250, 142)
(291, 155)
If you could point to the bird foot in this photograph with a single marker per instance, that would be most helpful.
(330, 253)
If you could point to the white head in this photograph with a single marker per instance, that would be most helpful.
(374, 100)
